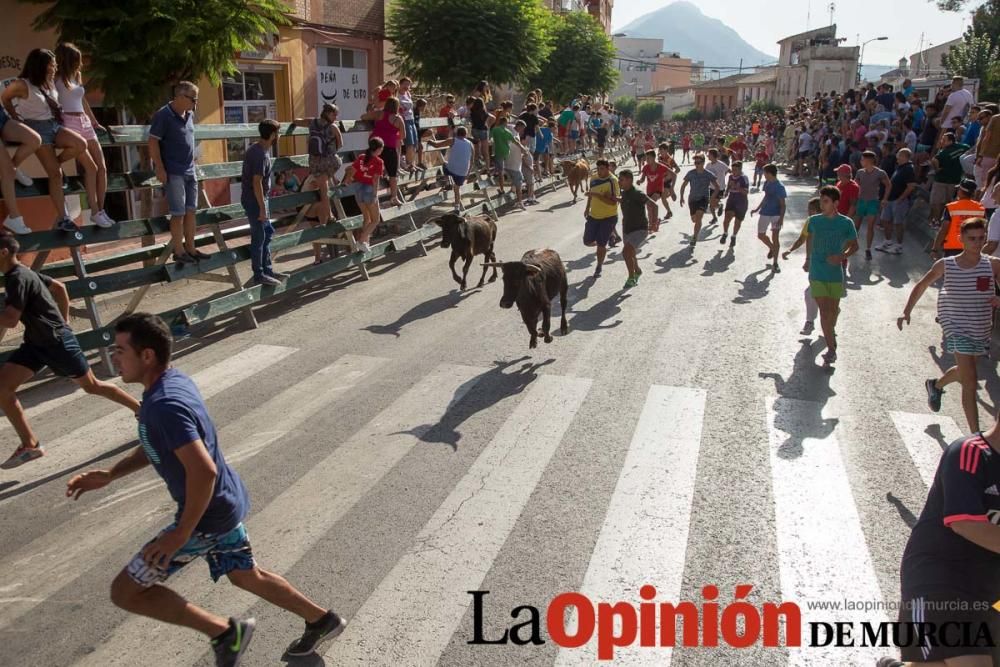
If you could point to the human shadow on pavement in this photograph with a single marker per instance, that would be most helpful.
(934, 431)
(681, 259)
(860, 275)
(798, 409)
(481, 392)
(720, 263)
(894, 271)
(556, 207)
(751, 288)
(580, 262)
(908, 517)
(421, 311)
(597, 316)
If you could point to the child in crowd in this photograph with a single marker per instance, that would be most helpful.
(366, 171)
(812, 309)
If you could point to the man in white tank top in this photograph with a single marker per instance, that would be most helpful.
(965, 311)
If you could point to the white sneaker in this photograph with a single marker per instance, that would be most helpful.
(102, 219)
(896, 249)
(16, 225)
(884, 246)
(363, 247)
(23, 178)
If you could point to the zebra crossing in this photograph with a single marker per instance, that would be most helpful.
(416, 609)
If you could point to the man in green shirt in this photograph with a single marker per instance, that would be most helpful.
(948, 173)
(635, 226)
(502, 139)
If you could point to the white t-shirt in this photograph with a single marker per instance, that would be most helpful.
(993, 230)
(513, 161)
(960, 102)
(719, 170)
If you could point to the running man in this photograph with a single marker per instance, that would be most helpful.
(178, 438)
(42, 305)
(654, 174)
(834, 239)
(702, 182)
(965, 310)
(601, 212)
(736, 204)
(635, 226)
(870, 178)
(719, 169)
(772, 214)
(950, 570)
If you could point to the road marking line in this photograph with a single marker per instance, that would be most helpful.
(95, 536)
(822, 552)
(286, 529)
(924, 448)
(648, 547)
(415, 610)
(119, 427)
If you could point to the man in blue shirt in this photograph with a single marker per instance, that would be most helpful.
(178, 438)
(772, 214)
(256, 183)
(171, 149)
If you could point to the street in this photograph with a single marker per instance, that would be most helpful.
(403, 446)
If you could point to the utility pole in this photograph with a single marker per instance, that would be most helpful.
(741, 72)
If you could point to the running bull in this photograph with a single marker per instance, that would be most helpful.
(468, 237)
(532, 284)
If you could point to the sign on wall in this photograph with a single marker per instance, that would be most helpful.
(345, 87)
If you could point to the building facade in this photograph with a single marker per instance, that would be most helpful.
(718, 96)
(760, 86)
(601, 10)
(928, 63)
(643, 67)
(812, 62)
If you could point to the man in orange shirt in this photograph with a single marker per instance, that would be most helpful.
(963, 208)
(447, 111)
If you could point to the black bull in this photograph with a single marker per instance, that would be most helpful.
(468, 237)
(532, 284)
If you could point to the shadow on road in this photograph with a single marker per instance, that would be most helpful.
(720, 263)
(751, 288)
(860, 275)
(421, 311)
(596, 317)
(798, 410)
(679, 260)
(908, 517)
(489, 388)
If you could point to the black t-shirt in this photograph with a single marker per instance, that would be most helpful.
(531, 122)
(929, 136)
(633, 203)
(903, 176)
(29, 292)
(546, 113)
(937, 560)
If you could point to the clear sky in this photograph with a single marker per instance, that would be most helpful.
(762, 24)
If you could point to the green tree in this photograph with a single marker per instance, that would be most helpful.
(626, 106)
(136, 48)
(690, 114)
(977, 55)
(456, 43)
(648, 113)
(581, 60)
(763, 107)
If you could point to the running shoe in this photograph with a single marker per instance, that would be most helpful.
(868, 255)
(16, 225)
(896, 249)
(23, 178)
(933, 394)
(198, 254)
(277, 274)
(722, 239)
(884, 246)
(102, 219)
(230, 646)
(325, 629)
(184, 258)
(23, 455)
(597, 271)
(830, 356)
(775, 267)
(266, 280)
(363, 247)
(66, 225)
(732, 242)
(889, 661)
(630, 283)
(807, 328)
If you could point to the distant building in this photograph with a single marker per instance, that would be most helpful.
(895, 77)
(758, 87)
(927, 63)
(601, 10)
(719, 96)
(644, 67)
(812, 62)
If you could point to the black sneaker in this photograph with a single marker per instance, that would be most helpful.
(66, 225)
(326, 628)
(933, 395)
(232, 644)
(597, 272)
(868, 255)
(277, 274)
(889, 661)
(184, 258)
(722, 239)
(775, 267)
(732, 242)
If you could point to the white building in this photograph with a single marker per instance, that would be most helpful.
(812, 62)
(636, 64)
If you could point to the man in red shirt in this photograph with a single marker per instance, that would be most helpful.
(738, 148)
(655, 173)
(850, 191)
(447, 111)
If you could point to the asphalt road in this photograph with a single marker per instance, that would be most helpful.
(402, 446)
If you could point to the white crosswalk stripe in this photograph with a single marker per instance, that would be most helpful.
(285, 530)
(99, 532)
(648, 547)
(413, 613)
(119, 427)
(822, 551)
(925, 436)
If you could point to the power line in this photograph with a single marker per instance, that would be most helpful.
(652, 63)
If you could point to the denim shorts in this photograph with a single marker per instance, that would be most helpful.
(64, 358)
(225, 552)
(365, 194)
(411, 138)
(182, 193)
(480, 135)
(46, 129)
(515, 176)
(896, 211)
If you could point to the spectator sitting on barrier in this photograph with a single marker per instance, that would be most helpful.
(291, 181)
(32, 99)
(325, 141)
(481, 120)
(42, 305)
(29, 141)
(366, 171)
(256, 182)
(389, 127)
(459, 163)
(383, 93)
(171, 149)
(79, 117)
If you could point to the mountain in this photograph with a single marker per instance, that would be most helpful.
(685, 30)
(873, 72)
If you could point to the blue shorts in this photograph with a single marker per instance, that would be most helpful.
(480, 135)
(959, 344)
(573, 134)
(64, 358)
(46, 129)
(867, 208)
(225, 552)
(895, 212)
(365, 194)
(182, 193)
(455, 178)
(598, 232)
(411, 133)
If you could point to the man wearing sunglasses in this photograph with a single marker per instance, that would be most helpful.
(171, 149)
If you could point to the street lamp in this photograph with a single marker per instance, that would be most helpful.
(861, 57)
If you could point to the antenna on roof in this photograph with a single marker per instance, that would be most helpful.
(809, 7)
